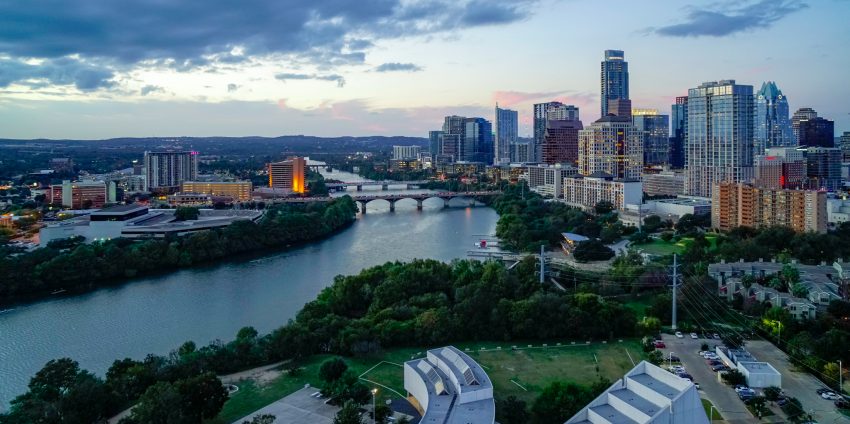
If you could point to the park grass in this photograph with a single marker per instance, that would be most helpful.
(706, 404)
(663, 248)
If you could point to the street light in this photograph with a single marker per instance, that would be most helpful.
(374, 415)
(711, 413)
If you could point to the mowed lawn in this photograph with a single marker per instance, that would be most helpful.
(532, 368)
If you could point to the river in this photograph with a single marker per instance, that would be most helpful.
(157, 314)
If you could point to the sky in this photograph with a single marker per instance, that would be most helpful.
(91, 69)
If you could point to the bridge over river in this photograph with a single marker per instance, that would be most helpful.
(385, 185)
(363, 199)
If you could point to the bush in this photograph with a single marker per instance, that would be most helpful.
(772, 393)
(592, 250)
(734, 378)
(667, 236)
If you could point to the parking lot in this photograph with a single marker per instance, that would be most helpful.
(722, 396)
(299, 407)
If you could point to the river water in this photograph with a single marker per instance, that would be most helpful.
(156, 315)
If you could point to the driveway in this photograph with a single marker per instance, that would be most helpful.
(722, 396)
(797, 384)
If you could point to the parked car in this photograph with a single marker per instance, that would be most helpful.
(679, 335)
(686, 376)
(823, 390)
(713, 362)
(718, 368)
(694, 336)
(695, 384)
(740, 387)
(716, 336)
(674, 358)
(659, 344)
(842, 404)
(830, 396)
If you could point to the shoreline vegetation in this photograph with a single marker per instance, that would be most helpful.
(75, 267)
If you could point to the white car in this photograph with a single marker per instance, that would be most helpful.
(694, 336)
(680, 335)
(830, 396)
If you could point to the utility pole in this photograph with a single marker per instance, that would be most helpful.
(542, 265)
(675, 286)
(840, 377)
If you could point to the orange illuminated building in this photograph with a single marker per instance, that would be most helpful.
(288, 174)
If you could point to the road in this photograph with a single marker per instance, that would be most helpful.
(797, 384)
(722, 396)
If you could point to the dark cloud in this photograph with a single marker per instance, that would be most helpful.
(340, 81)
(719, 23)
(121, 34)
(61, 71)
(148, 89)
(398, 67)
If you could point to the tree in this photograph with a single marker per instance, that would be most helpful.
(603, 207)
(832, 374)
(186, 213)
(652, 223)
(349, 414)
(790, 274)
(667, 236)
(512, 411)
(161, 403)
(558, 402)
(655, 357)
(734, 377)
(793, 409)
(800, 290)
(592, 250)
(759, 405)
(382, 412)
(185, 401)
(332, 369)
(640, 237)
(772, 393)
(649, 326)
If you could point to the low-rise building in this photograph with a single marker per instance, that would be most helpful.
(239, 191)
(758, 374)
(82, 194)
(460, 168)
(837, 211)
(586, 191)
(665, 183)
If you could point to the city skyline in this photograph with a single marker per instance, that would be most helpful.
(320, 77)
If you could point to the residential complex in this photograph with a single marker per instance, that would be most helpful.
(611, 145)
(801, 114)
(288, 175)
(507, 126)
(614, 80)
(548, 179)
(239, 191)
(585, 191)
(165, 171)
(406, 152)
(816, 132)
(781, 167)
(823, 168)
(467, 139)
(743, 205)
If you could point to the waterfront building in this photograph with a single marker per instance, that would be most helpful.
(679, 128)
(744, 205)
(449, 387)
(547, 180)
(585, 191)
(816, 132)
(656, 135)
(239, 191)
(560, 143)
(648, 395)
(823, 168)
(435, 141)
(82, 194)
(781, 167)
(165, 171)
(507, 127)
(542, 113)
(772, 124)
(804, 113)
(460, 168)
(406, 152)
(401, 165)
(665, 183)
(613, 146)
(720, 136)
(614, 80)
(288, 175)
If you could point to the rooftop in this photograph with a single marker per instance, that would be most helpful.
(120, 209)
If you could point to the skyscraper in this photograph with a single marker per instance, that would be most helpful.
(816, 132)
(801, 114)
(772, 125)
(543, 112)
(823, 168)
(613, 146)
(720, 136)
(288, 174)
(467, 139)
(679, 123)
(560, 143)
(434, 141)
(507, 125)
(615, 79)
(453, 137)
(165, 171)
(656, 131)
(845, 146)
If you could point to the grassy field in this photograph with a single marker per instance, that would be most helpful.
(522, 373)
(663, 248)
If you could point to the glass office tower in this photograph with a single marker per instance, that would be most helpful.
(615, 79)
(507, 125)
(772, 124)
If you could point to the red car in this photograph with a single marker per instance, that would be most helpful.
(659, 344)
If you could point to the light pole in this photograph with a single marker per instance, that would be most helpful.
(374, 415)
(711, 414)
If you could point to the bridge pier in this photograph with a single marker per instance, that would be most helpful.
(392, 205)
(419, 204)
(385, 187)
(446, 203)
(359, 187)
(362, 207)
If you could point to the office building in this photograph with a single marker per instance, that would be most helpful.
(656, 135)
(585, 191)
(507, 126)
(743, 205)
(449, 387)
(165, 171)
(823, 168)
(614, 80)
(772, 124)
(548, 180)
(620, 107)
(816, 132)
(435, 140)
(467, 139)
(522, 152)
(406, 152)
(679, 131)
(665, 183)
(804, 113)
(544, 112)
(720, 136)
(648, 395)
(239, 191)
(82, 194)
(613, 146)
(288, 175)
(781, 167)
(560, 141)
(844, 145)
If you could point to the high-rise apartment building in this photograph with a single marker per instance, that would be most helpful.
(742, 205)
(823, 168)
(165, 171)
(816, 132)
(406, 152)
(719, 147)
(507, 126)
(560, 141)
(288, 174)
(772, 124)
(435, 140)
(844, 145)
(656, 135)
(467, 139)
(614, 80)
(679, 129)
(613, 146)
(544, 112)
(803, 113)
(522, 152)
(781, 167)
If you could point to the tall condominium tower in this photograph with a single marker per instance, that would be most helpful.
(803, 113)
(613, 146)
(615, 79)
(720, 136)
(165, 171)
(435, 138)
(560, 143)
(679, 128)
(544, 112)
(656, 131)
(772, 124)
(507, 125)
(467, 139)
